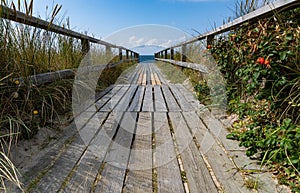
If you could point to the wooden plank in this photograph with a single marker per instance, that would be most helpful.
(116, 161)
(103, 100)
(139, 176)
(110, 105)
(99, 95)
(244, 163)
(144, 81)
(236, 152)
(148, 74)
(224, 169)
(158, 82)
(136, 74)
(56, 175)
(170, 100)
(159, 101)
(159, 74)
(152, 78)
(125, 101)
(189, 96)
(148, 100)
(136, 103)
(141, 75)
(165, 160)
(85, 172)
(198, 176)
(184, 104)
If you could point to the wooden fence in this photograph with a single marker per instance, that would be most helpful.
(16, 16)
(263, 12)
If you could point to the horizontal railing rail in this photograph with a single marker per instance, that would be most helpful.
(263, 12)
(194, 66)
(49, 77)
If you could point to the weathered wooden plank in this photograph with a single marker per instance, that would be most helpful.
(244, 163)
(198, 176)
(110, 105)
(170, 100)
(101, 94)
(148, 74)
(148, 100)
(51, 182)
(116, 161)
(159, 101)
(136, 103)
(136, 74)
(101, 102)
(158, 82)
(183, 103)
(124, 103)
(139, 176)
(141, 75)
(82, 179)
(152, 78)
(159, 74)
(224, 169)
(144, 81)
(165, 160)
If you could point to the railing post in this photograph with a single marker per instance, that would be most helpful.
(108, 51)
(166, 54)
(127, 54)
(85, 46)
(172, 54)
(183, 53)
(210, 40)
(120, 54)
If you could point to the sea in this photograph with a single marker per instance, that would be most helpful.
(147, 58)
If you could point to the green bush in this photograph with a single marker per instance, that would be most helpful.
(261, 65)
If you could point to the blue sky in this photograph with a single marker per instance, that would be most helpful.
(102, 18)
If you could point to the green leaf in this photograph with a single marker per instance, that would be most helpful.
(289, 37)
(282, 55)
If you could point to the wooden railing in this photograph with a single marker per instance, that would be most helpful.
(20, 17)
(263, 12)
(16, 16)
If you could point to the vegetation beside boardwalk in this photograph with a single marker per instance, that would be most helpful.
(261, 64)
(25, 108)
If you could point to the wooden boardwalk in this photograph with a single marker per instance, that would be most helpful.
(146, 136)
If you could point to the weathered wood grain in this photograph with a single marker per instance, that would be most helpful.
(125, 101)
(148, 100)
(51, 182)
(165, 160)
(139, 176)
(110, 105)
(85, 172)
(116, 161)
(136, 103)
(184, 104)
(170, 100)
(159, 101)
(198, 177)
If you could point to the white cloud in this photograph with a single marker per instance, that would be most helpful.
(131, 39)
(151, 42)
(167, 43)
